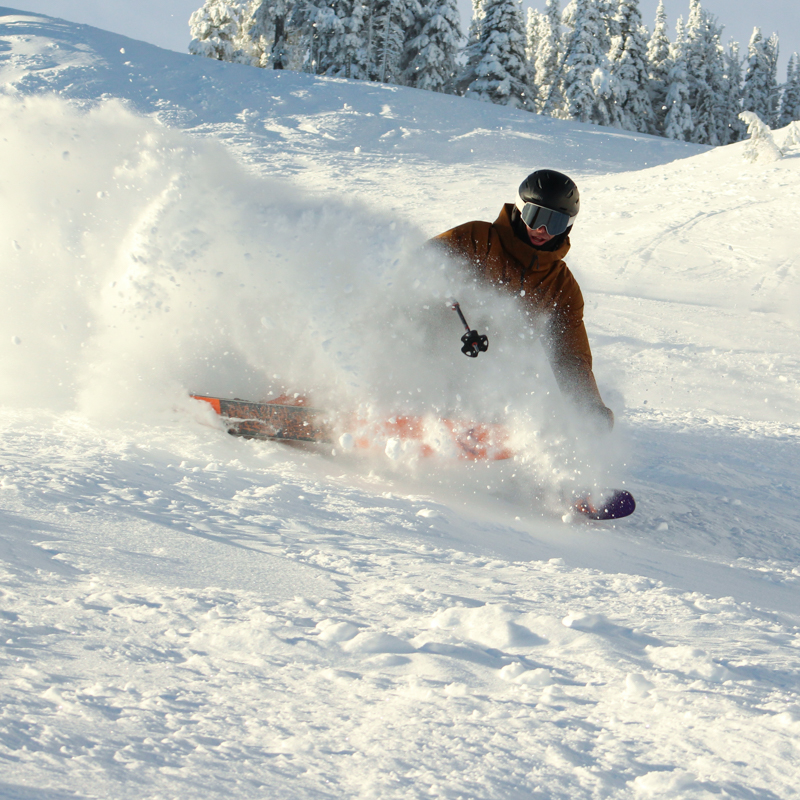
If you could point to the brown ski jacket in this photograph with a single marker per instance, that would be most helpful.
(552, 297)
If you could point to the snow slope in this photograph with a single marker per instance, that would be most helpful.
(184, 614)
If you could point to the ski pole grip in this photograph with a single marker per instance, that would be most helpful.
(457, 309)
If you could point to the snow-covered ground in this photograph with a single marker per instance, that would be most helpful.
(189, 615)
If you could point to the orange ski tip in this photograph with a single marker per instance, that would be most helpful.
(212, 401)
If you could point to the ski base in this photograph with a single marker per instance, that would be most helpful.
(271, 420)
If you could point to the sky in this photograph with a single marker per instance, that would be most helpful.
(166, 23)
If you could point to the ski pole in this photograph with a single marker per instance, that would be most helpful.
(474, 342)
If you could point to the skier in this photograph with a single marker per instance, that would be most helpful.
(522, 252)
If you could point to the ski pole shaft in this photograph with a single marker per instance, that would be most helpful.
(457, 309)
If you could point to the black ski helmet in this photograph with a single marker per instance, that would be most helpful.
(553, 190)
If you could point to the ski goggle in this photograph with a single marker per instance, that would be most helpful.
(554, 222)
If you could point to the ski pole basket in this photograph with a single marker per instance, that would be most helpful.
(474, 343)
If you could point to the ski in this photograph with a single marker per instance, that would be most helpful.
(292, 420)
(287, 419)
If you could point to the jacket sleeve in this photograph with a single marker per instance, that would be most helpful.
(469, 241)
(567, 346)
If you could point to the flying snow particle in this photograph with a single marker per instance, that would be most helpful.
(346, 442)
(393, 448)
(16, 340)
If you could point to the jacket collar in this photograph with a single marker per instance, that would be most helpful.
(525, 253)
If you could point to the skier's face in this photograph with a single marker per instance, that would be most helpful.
(538, 236)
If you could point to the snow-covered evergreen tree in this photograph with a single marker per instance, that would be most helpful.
(705, 69)
(632, 109)
(534, 30)
(350, 59)
(534, 25)
(733, 94)
(568, 17)
(659, 65)
(321, 31)
(215, 30)
(610, 28)
(582, 59)
(335, 34)
(265, 28)
(757, 90)
(416, 13)
(501, 74)
(547, 59)
(761, 146)
(790, 101)
(773, 50)
(792, 135)
(434, 66)
(389, 20)
(678, 118)
(476, 23)
(472, 53)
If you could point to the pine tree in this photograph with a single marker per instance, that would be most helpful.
(761, 146)
(472, 53)
(773, 88)
(757, 80)
(547, 59)
(501, 74)
(534, 30)
(705, 70)
(317, 28)
(215, 30)
(389, 21)
(659, 64)
(733, 99)
(678, 119)
(569, 17)
(341, 35)
(416, 13)
(350, 60)
(725, 105)
(610, 27)
(265, 27)
(476, 23)
(434, 66)
(582, 60)
(790, 101)
(632, 109)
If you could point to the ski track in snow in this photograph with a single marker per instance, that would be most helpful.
(183, 614)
